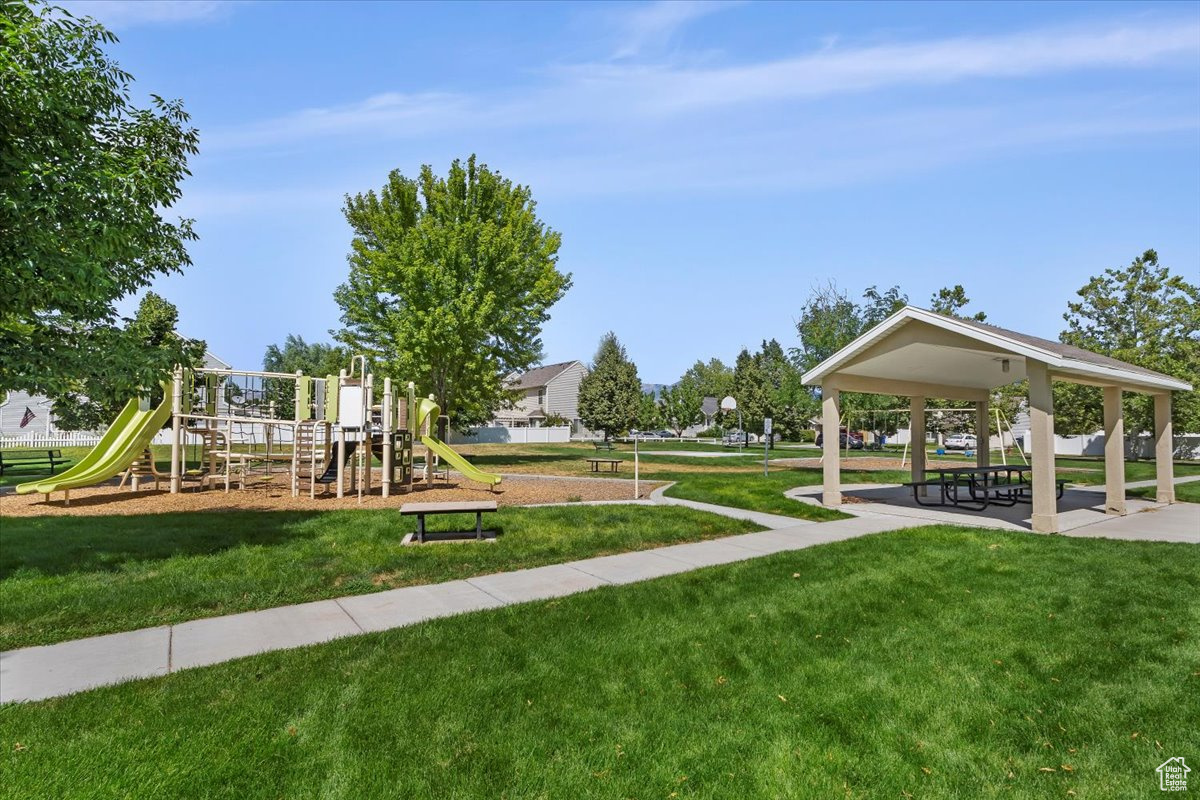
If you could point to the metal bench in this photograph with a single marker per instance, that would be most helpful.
(612, 462)
(603, 444)
(421, 510)
(27, 458)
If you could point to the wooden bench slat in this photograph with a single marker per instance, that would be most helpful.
(462, 507)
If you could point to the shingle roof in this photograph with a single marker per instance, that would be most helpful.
(709, 406)
(539, 376)
(1064, 350)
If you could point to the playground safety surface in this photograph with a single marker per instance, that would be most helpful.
(514, 491)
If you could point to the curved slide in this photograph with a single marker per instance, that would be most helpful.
(427, 408)
(124, 441)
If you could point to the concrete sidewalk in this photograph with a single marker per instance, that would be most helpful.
(37, 673)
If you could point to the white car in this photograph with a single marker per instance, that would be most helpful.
(960, 441)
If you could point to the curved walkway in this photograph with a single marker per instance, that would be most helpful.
(37, 673)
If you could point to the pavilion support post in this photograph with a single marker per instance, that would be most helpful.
(1114, 452)
(1164, 449)
(831, 420)
(916, 410)
(983, 438)
(1041, 424)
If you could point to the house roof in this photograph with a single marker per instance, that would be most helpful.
(540, 376)
(968, 356)
(709, 406)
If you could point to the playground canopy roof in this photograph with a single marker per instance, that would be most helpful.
(915, 346)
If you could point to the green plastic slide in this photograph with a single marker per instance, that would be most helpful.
(130, 434)
(427, 408)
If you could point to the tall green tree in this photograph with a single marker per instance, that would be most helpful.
(951, 300)
(750, 390)
(317, 360)
(829, 321)
(1146, 316)
(85, 177)
(451, 279)
(92, 401)
(681, 406)
(649, 417)
(610, 395)
(710, 379)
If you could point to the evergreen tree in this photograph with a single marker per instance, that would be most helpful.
(610, 395)
(750, 390)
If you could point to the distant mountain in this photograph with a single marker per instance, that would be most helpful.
(656, 388)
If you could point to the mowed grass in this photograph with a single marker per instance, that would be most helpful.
(751, 490)
(1184, 492)
(64, 578)
(934, 662)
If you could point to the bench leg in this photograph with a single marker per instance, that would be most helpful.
(421, 528)
(478, 525)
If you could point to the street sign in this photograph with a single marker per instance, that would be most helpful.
(767, 426)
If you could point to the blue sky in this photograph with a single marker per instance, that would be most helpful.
(707, 164)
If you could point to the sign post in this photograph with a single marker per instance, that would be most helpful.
(766, 443)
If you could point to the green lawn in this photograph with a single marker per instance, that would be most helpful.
(1184, 492)
(933, 663)
(67, 577)
(753, 491)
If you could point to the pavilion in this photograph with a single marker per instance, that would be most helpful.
(920, 355)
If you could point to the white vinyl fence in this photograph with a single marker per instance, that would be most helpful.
(499, 434)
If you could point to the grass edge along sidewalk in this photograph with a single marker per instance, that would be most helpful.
(65, 578)
(933, 661)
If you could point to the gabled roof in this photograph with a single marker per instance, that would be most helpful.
(540, 376)
(709, 406)
(988, 340)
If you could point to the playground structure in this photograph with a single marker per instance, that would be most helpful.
(234, 426)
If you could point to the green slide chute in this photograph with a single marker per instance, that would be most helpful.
(427, 409)
(130, 434)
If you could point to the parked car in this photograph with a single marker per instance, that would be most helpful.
(853, 437)
(734, 438)
(960, 441)
(665, 434)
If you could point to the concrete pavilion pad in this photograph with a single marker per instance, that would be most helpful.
(36, 673)
(211, 641)
(1080, 513)
(412, 604)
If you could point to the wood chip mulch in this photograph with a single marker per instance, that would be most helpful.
(103, 500)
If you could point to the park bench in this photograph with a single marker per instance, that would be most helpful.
(422, 510)
(613, 463)
(603, 444)
(26, 458)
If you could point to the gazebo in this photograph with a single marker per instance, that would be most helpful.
(920, 355)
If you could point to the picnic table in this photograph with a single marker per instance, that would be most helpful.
(602, 444)
(421, 510)
(1002, 485)
(613, 463)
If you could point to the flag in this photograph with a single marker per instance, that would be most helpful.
(27, 417)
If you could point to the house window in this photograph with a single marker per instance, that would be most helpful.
(542, 399)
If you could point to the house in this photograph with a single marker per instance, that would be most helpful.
(547, 392)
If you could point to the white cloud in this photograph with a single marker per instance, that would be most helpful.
(392, 114)
(129, 13)
(654, 24)
(631, 94)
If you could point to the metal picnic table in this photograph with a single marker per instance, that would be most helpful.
(1000, 485)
